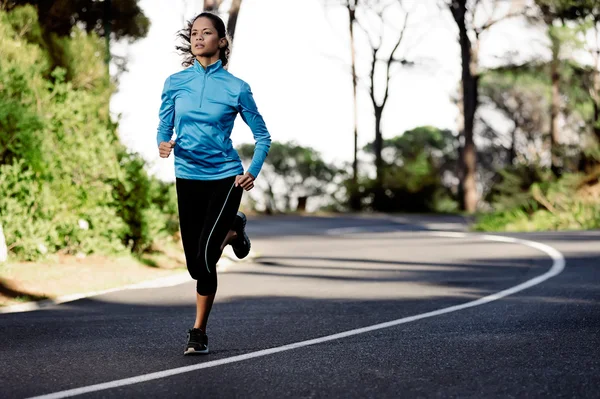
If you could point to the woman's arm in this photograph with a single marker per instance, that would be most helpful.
(166, 115)
(249, 112)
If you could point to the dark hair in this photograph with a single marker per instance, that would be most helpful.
(185, 48)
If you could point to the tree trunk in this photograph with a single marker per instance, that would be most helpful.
(107, 29)
(288, 202)
(301, 207)
(234, 10)
(512, 154)
(596, 122)
(470, 77)
(378, 146)
(555, 105)
(271, 205)
(3, 248)
(354, 197)
(351, 19)
(595, 93)
(212, 5)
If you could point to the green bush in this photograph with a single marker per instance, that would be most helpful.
(68, 185)
(416, 186)
(415, 163)
(25, 217)
(569, 203)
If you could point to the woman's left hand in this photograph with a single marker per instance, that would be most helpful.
(246, 181)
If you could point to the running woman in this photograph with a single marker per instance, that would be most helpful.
(201, 102)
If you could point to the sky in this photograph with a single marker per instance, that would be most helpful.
(295, 55)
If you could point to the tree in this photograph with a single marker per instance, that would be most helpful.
(587, 13)
(551, 11)
(469, 34)
(351, 6)
(376, 19)
(234, 10)
(67, 183)
(127, 20)
(212, 5)
(112, 20)
(418, 171)
(389, 59)
(291, 171)
(521, 93)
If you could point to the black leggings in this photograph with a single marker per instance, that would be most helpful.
(207, 210)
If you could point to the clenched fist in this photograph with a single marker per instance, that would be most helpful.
(165, 148)
(246, 181)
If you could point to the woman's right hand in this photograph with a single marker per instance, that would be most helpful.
(165, 148)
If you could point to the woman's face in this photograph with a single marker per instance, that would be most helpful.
(204, 38)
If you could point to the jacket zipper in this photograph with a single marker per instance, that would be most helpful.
(202, 92)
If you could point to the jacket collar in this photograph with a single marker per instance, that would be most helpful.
(215, 66)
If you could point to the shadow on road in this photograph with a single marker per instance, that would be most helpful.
(9, 291)
(551, 327)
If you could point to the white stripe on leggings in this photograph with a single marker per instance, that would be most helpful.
(213, 229)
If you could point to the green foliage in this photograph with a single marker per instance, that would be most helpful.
(571, 202)
(415, 165)
(520, 92)
(147, 206)
(68, 185)
(126, 17)
(24, 23)
(291, 171)
(22, 210)
(512, 190)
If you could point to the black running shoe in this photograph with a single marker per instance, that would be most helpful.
(241, 244)
(197, 342)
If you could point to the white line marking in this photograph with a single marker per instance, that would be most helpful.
(558, 266)
(169, 281)
(345, 230)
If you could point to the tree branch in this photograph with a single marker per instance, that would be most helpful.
(391, 60)
(491, 23)
(372, 90)
(359, 24)
(474, 10)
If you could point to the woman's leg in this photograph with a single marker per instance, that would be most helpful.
(221, 212)
(231, 235)
(193, 197)
(203, 234)
(203, 307)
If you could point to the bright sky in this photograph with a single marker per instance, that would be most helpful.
(295, 55)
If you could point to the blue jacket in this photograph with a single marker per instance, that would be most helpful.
(202, 105)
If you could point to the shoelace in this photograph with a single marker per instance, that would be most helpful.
(196, 335)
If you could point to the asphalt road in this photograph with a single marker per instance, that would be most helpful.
(318, 277)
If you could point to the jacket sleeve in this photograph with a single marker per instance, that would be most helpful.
(166, 115)
(249, 112)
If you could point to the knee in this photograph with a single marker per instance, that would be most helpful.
(198, 267)
(195, 270)
(206, 286)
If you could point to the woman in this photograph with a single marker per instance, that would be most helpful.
(201, 103)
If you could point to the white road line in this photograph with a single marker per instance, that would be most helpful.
(345, 230)
(558, 266)
(162, 282)
(223, 265)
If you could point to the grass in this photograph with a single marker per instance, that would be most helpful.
(571, 203)
(28, 298)
(63, 275)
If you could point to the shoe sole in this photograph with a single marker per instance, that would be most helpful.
(246, 238)
(192, 351)
(244, 219)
